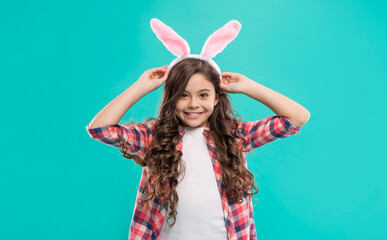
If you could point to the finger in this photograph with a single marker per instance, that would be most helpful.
(166, 74)
(164, 78)
(223, 86)
(162, 68)
(159, 69)
(225, 78)
(158, 73)
(226, 75)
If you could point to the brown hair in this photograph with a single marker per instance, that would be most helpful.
(163, 159)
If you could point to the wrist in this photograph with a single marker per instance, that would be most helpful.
(141, 88)
(247, 85)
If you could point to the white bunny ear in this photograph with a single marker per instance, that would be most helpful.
(217, 41)
(174, 43)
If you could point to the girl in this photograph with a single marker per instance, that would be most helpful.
(195, 183)
(196, 134)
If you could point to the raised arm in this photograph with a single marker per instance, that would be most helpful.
(278, 103)
(112, 113)
(105, 128)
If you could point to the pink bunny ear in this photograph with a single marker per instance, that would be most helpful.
(174, 43)
(217, 41)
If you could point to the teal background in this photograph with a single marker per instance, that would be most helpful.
(63, 61)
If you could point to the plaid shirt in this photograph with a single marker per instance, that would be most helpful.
(239, 218)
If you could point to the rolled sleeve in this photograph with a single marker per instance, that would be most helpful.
(137, 136)
(258, 133)
(289, 127)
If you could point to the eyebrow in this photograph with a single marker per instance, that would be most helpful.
(200, 90)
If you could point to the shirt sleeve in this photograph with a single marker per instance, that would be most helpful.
(137, 136)
(269, 129)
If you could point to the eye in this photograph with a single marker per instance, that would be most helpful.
(202, 95)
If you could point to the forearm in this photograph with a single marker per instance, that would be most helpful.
(278, 103)
(112, 113)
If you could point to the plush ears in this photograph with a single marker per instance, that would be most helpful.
(214, 44)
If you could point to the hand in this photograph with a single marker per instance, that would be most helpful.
(153, 78)
(233, 82)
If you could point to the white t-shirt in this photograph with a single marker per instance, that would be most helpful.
(199, 209)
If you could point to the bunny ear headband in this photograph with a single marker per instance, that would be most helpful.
(214, 44)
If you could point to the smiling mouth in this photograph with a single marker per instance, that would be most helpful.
(192, 115)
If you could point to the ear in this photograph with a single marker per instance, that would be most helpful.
(217, 41)
(171, 40)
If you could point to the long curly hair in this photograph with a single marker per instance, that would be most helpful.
(163, 160)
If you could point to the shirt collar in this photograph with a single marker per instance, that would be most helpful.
(205, 132)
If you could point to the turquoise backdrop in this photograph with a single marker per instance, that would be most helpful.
(63, 61)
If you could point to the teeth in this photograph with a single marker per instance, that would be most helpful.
(193, 114)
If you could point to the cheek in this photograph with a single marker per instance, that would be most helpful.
(179, 106)
(210, 104)
(178, 112)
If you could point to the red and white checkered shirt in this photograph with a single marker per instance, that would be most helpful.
(238, 217)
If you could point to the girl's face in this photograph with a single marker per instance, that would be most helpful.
(200, 98)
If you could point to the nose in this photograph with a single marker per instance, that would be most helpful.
(193, 103)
